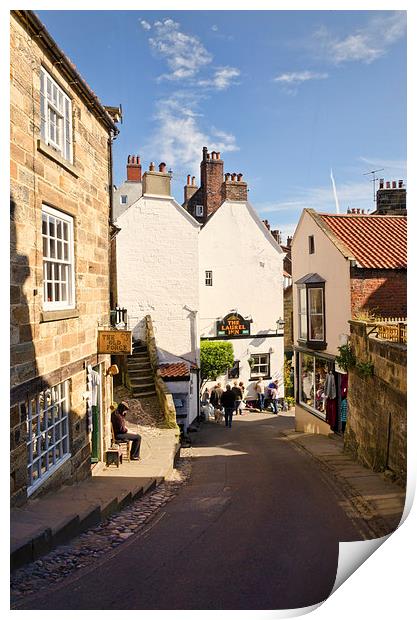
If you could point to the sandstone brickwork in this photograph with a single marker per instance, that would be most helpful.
(376, 430)
(46, 346)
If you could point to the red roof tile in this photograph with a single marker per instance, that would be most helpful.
(375, 241)
(179, 369)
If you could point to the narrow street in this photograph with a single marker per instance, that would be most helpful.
(257, 527)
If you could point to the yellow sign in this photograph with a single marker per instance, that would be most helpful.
(114, 342)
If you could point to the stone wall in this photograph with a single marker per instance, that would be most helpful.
(288, 318)
(47, 345)
(376, 430)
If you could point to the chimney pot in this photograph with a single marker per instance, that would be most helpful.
(188, 179)
(381, 183)
(394, 185)
(388, 185)
(151, 167)
(234, 176)
(400, 183)
(193, 181)
(227, 176)
(213, 155)
(133, 168)
(239, 176)
(162, 167)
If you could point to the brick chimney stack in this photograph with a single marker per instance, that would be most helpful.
(391, 198)
(134, 169)
(189, 189)
(211, 171)
(233, 188)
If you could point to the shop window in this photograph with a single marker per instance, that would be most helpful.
(311, 311)
(56, 116)
(58, 259)
(47, 432)
(233, 373)
(312, 375)
(260, 366)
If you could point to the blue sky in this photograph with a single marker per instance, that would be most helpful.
(286, 96)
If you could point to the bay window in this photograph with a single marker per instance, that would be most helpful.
(311, 311)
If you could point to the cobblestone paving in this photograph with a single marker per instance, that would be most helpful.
(94, 543)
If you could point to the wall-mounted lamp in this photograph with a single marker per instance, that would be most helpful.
(280, 324)
(112, 370)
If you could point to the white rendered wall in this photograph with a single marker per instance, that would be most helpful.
(246, 263)
(329, 263)
(157, 272)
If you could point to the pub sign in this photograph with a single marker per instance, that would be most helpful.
(114, 342)
(233, 325)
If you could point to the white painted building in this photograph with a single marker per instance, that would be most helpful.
(241, 274)
(157, 273)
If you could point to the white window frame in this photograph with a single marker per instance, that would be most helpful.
(55, 103)
(199, 210)
(47, 431)
(310, 313)
(302, 314)
(64, 266)
(258, 368)
(209, 278)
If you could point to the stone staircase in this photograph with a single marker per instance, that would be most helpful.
(140, 371)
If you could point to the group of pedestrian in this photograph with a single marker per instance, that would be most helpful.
(225, 402)
(271, 392)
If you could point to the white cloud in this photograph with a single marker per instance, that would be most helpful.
(350, 195)
(365, 44)
(297, 77)
(223, 77)
(145, 25)
(214, 28)
(178, 138)
(184, 54)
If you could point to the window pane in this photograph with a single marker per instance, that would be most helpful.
(316, 327)
(52, 248)
(59, 249)
(49, 292)
(321, 374)
(315, 303)
(306, 379)
(65, 251)
(45, 246)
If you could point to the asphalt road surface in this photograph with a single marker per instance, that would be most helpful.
(257, 527)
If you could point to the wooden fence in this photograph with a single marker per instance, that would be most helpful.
(393, 329)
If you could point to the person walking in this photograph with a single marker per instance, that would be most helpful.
(242, 404)
(228, 402)
(122, 432)
(238, 397)
(273, 391)
(260, 390)
(215, 396)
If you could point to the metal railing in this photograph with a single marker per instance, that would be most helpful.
(118, 318)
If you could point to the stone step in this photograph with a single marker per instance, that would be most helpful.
(141, 394)
(141, 381)
(140, 373)
(138, 362)
(139, 349)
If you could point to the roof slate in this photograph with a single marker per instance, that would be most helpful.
(375, 241)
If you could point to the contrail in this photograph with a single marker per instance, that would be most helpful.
(334, 191)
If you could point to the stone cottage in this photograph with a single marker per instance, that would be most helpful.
(60, 148)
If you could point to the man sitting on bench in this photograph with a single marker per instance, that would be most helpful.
(121, 431)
